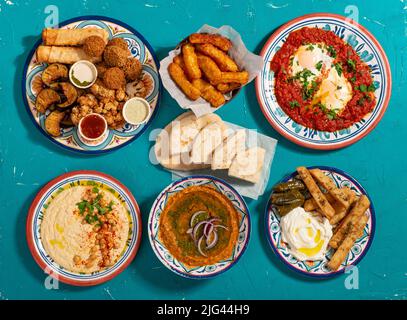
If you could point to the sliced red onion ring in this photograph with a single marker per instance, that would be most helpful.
(196, 228)
(221, 226)
(213, 242)
(199, 246)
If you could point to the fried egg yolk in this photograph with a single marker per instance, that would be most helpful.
(312, 57)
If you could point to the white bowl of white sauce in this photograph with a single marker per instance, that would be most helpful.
(83, 74)
(136, 111)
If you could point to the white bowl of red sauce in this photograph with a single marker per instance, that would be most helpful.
(92, 128)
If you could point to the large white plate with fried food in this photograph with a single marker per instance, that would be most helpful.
(149, 83)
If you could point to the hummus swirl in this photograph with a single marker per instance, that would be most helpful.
(73, 240)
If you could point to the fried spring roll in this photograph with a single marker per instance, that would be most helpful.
(347, 244)
(227, 87)
(214, 39)
(224, 62)
(209, 68)
(178, 75)
(71, 37)
(350, 220)
(67, 55)
(191, 61)
(209, 93)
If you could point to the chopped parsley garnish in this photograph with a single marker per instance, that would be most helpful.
(362, 88)
(87, 207)
(318, 66)
(310, 47)
(331, 51)
(294, 104)
(331, 114)
(338, 68)
(371, 87)
(95, 190)
(351, 64)
(353, 79)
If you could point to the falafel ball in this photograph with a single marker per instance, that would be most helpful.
(114, 78)
(94, 46)
(132, 69)
(101, 68)
(115, 56)
(119, 42)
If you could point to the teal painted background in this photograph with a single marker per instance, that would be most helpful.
(28, 160)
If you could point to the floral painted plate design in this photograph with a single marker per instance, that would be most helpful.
(318, 269)
(165, 256)
(45, 197)
(370, 52)
(139, 48)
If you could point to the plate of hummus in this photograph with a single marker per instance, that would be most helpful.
(320, 221)
(199, 227)
(84, 228)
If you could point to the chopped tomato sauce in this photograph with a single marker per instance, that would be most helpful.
(289, 93)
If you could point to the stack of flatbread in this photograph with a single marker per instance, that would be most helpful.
(192, 143)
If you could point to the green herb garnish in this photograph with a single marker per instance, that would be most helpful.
(351, 64)
(318, 66)
(294, 104)
(331, 51)
(338, 68)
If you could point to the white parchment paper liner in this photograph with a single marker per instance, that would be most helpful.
(245, 59)
(246, 189)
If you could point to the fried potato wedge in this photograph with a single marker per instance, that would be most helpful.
(339, 194)
(191, 61)
(224, 62)
(320, 199)
(53, 123)
(179, 77)
(227, 87)
(241, 77)
(209, 68)
(209, 93)
(179, 61)
(350, 220)
(214, 39)
(347, 244)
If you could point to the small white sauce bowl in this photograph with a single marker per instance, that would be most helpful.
(92, 141)
(88, 64)
(128, 105)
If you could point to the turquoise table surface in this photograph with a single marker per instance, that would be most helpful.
(28, 160)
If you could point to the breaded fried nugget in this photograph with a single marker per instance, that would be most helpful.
(132, 69)
(209, 68)
(227, 87)
(178, 75)
(224, 62)
(191, 61)
(238, 77)
(114, 78)
(217, 40)
(101, 68)
(53, 123)
(209, 93)
(94, 46)
(119, 42)
(115, 56)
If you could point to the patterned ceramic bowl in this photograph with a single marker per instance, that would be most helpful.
(45, 197)
(318, 269)
(139, 48)
(370, 52)
(165, 256)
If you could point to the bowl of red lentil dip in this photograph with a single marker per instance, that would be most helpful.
(326, 82)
